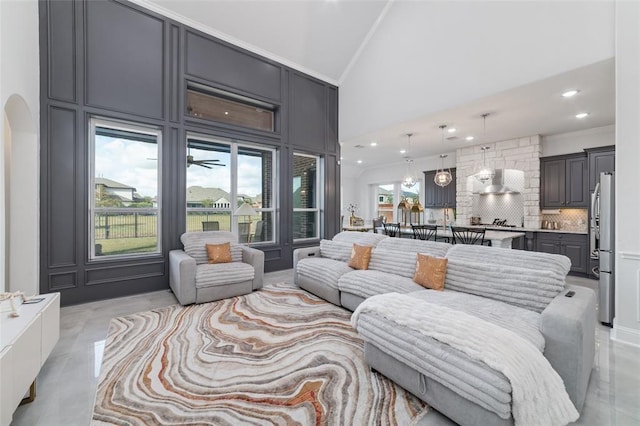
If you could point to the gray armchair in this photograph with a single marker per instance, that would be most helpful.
(194, 280)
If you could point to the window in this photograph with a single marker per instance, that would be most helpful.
(124, 209)
(211, 104)
(306, 196)
(221, 176)
(385, 206)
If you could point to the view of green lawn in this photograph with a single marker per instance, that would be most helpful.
(137, 233)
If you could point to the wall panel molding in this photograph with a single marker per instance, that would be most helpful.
(62, 281)
(128, 271)
(62, 55)
(62, 178)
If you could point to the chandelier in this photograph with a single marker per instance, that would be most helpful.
(486, 173)
(442, 177)
(410, 179)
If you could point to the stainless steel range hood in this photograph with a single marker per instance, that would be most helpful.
(497, 185)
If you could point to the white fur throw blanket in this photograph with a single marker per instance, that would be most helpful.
(538, 393)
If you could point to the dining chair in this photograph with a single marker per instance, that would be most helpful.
(392, 229)
(463, 235)
(425, 232)
(377, 223)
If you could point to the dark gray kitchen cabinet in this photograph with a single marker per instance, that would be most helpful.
(436, 196)
(574, 246)
(564, 181)
(601, 159)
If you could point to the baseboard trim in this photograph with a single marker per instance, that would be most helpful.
(625, 335)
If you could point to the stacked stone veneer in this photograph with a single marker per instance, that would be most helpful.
(520, 154)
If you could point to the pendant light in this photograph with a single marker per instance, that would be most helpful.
(486, 173)
(409, 180)
(442, 177)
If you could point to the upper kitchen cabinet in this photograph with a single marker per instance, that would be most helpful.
(601, 159)
(564, 181)
(436, 196)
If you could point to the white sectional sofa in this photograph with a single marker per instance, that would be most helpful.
(521, 292)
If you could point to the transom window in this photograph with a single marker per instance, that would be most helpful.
(124, 201)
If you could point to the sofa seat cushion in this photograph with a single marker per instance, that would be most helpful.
(523, 322)
(326, 271)
(526, 279)
(370, 282)
(195, 244)
(219, 274)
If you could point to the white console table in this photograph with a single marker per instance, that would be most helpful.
(26, 342)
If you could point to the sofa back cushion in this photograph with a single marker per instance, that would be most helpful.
(431, 248)
(361, 238)
(195, 244)
(336, 250)
(399, 255)
(530, 280)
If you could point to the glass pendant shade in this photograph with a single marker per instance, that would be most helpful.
(409, 180)
(486, 173)
(443, 177)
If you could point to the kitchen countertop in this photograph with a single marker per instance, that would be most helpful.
(519, 229)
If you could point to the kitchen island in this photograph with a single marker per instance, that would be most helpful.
(502, 239)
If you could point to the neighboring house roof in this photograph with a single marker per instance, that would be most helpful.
(108, 183)
(383, 191)
(198, 193)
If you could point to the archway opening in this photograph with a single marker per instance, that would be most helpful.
(20, 183)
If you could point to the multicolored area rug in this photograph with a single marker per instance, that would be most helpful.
(277, 356)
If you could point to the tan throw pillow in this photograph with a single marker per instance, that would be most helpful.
(360, 256)
(430, 271)
(219, 253)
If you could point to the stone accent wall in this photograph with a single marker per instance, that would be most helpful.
(520, 154)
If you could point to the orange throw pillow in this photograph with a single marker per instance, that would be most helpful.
(360, 256)
(219, 253)
(430, 271)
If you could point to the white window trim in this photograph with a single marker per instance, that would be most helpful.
(95, 122)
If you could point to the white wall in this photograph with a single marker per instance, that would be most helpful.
(19, 97)
(626, 327)
(426, 57)
(571, 142)
(357, 182)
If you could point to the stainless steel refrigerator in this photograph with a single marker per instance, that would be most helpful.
(603, 235)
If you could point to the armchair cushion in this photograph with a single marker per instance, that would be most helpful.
(218, 274)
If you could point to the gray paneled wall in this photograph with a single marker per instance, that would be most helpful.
(116, 60)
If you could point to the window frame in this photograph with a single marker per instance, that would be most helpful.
(319, 185)
(129, 126)
(234, 144)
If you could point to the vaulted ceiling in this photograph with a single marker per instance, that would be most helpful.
(409, 66)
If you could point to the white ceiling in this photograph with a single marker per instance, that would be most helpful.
(325, 37)
(319, 37)
(536, 108)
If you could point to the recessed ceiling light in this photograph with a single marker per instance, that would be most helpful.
(469, 138)
(451, 130)
(359, 161)
(582, 115)
(373, 144)
(569, 93)
(402, 151)
(226, 113)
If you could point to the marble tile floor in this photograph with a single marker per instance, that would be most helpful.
(67, 382)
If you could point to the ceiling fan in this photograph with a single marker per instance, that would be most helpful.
(202, 163)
